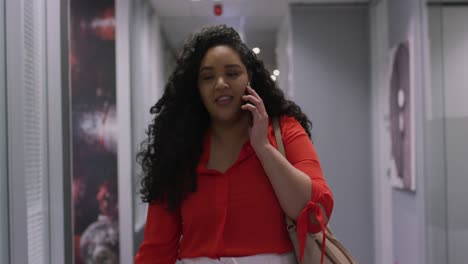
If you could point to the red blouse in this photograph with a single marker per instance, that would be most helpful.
(235, 213)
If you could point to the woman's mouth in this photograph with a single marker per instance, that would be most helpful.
(224, 100)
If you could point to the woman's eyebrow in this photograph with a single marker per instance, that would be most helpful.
(232, 66)
(227, 66)
(206, 68)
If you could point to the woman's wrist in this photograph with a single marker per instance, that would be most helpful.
(264, 151)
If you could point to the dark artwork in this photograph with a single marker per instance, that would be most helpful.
(94, 143)
(400, 116)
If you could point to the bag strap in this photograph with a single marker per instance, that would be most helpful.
(279, 139)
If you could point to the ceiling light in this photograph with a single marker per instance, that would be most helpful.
(276, 72)
(273, 77)
(256, 50)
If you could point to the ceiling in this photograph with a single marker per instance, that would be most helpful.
(256, 20)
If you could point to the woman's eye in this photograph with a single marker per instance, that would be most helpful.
(206, 78)
(229, 74)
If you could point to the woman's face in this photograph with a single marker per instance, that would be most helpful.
(222, 80)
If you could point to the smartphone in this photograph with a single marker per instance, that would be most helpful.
(246, 102)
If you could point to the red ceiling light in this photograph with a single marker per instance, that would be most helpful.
(218, 9)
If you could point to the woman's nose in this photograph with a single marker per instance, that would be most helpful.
(220, 83)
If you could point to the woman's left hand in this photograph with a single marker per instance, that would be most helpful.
(258, 130)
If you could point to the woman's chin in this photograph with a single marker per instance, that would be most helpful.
(228, 117)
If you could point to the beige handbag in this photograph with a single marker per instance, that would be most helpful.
(322, 247)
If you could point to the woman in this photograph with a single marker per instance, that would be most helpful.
(217, 186)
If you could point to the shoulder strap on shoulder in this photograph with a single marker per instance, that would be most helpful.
(279, 139)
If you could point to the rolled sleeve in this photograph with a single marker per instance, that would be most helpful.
(301, 153)
(161, 236)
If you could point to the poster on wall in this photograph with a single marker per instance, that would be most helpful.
(400, 117)
(94, 139)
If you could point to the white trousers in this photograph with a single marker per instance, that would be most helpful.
(287, 258)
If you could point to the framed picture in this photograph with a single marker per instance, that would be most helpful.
(400, 117)
(94, 132)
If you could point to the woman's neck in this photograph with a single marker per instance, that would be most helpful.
(232, 132)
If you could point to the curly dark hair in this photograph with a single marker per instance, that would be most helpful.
(171, 152)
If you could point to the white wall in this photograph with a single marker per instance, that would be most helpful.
(35, 223)
(383, 244)
(330, 69)
(436, 180)
(405, 18)
(415, 227)
(455, 80)
(283, 52)
(27, 128)
(123, 10)
(58, 101)
(4, 242)
(150, 59)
